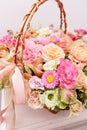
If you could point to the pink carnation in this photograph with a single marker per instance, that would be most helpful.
(6, 40)
(36, 83)
(29, 43)
(9, 41)
(67, 74)
(32, 51)
(43, 40)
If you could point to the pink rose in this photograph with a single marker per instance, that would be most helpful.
(67, 73)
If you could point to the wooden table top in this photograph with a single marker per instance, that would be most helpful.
(42, 119)
(28, 119)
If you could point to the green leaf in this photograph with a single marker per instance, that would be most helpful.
(7, 57)
(67, 56)
(85, 92)
(1, 86)
(85, 70)
(4, 82)
(50, 96)
(62, 105)
(85, 104)
(56, 108)
(27, 68)
(63, 99)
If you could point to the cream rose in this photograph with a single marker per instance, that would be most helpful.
(79, 50)
(52, 52)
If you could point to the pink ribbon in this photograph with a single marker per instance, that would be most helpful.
(18, 87)
(10, 70)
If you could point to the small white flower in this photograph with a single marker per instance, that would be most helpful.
(51, 65)
(44, 31)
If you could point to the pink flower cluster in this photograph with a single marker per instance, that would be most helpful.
(80, 32)
(64, 77)
(54, 68)
(67, 73)
(8, 40)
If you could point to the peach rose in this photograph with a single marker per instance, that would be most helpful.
(79, 50)
(65, 42)
(52, 52)
(76, 107)
(81, 81)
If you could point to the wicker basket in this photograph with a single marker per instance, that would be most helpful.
(68, 92)
(21, 36)
(67, 50)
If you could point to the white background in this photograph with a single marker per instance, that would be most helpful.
(13, 11)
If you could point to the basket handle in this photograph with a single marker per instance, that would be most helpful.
(26, 24)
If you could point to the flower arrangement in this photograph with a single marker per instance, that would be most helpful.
(46, 67)
(54, 68)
